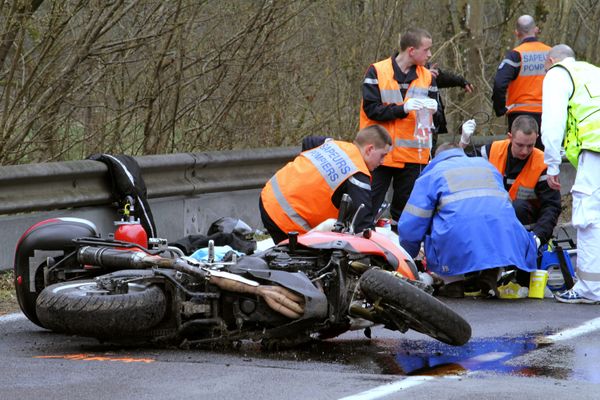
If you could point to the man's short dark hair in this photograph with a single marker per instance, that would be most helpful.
(446, 146)
(413, 37)
(376, 135)
(526, 124)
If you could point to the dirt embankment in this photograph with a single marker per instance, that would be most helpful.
(8, 299)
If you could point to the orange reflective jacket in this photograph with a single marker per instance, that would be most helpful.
(298, 196)
(525, 92)
(406, 147)
(523, 188)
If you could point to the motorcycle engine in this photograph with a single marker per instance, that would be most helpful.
(280, 258)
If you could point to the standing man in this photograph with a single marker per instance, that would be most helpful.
(572, 104)
(460, 208)
(524, 174)
(518, 82)
(308, 190)
(392, 92)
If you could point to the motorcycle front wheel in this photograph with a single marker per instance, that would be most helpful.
(397, 299)
(83, 308)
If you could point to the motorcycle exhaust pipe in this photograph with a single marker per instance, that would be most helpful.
(278, 298)
(282, 301)
(116, 259)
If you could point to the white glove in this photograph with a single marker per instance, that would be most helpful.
(538, 242)
(468, 128)
(413, 105)
(430, 104)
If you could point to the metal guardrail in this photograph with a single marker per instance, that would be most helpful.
(51, 186)
(60, 185)
(187, 191)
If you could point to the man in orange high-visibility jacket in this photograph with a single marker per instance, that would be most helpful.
(518, 82)
(308, 190)
(523, 170)
(393, 91)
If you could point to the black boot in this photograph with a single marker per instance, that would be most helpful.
(488, 282)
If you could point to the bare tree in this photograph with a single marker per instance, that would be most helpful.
(145, 77)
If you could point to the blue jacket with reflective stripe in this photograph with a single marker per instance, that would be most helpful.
(460, 208)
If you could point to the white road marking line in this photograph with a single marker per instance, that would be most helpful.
(12, 317)
(385, 390)
(589, 326)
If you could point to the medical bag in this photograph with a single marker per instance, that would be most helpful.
(558, 259)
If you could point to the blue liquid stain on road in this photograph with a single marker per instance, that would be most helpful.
(490, 355)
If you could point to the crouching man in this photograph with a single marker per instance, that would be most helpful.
(308, 190)
(462, 212)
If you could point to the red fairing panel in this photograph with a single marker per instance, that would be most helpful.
(378, 244)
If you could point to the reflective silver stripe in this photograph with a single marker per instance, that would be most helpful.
(412, 143)
(333, 163)
(532, 63)
(416, 92)
(371, 81)
(543, 178)
(524, 193)
(358, 183)
(484, 152)
(509, 62)
(407, 85)
(510, 181)
(522, 105)
(470, 178)
(391, 96)
(469, 194)
(417, 211)
(588, 276)
(287, 208)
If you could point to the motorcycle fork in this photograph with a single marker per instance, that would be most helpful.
(338, 289)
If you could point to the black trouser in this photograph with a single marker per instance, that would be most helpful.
(527, 214)
(538, 118)
(276, 233)
(403, 181)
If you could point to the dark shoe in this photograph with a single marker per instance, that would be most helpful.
(454, 290)
(488, 282)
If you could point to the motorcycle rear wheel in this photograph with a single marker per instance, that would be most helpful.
(83, 308)
(422, 312)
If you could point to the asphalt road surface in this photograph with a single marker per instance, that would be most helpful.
(520, 349)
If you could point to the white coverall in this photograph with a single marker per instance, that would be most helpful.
(557, 90)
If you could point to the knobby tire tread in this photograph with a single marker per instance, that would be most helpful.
(436, 318)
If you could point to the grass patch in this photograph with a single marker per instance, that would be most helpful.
(8, 299)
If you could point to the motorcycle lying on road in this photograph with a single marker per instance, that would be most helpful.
(311, 286)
